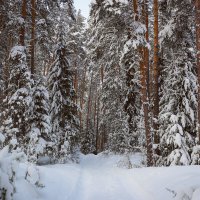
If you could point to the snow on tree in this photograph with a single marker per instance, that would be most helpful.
(88, 143)
(40, 133)
(16, 124)
(107, 26)
(196, 149)
(196, 155)
(2, 88)
(8, 167)
(75, 41)
(62, 108)
(130, 61)
(177, 118)
(11, 170)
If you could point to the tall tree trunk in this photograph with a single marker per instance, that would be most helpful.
(135, 9)
(75, 80)
(197, 6)
(95, 109)
(97, 125)
(146, 50)
(82, 99)
(32, 43)
(156, 74)
(6, 68)
(89, 105)
(102, 75)
(102, 131)
(76, 84)
(22, 29)
(144, 67)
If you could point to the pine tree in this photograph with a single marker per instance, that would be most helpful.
(107, 26)
(22, 28)
(196, 149)
(144, 68)
(2, 86)
(197, 16)
(62, 108)
(88, 137)
(18, 101)
(40, 137)
(32, 43)
(177, 116)
(156, 73)
(130, 61)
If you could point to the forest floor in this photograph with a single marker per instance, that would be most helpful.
(105, 178)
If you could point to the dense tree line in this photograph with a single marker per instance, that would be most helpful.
(144, 59)
(127, 82)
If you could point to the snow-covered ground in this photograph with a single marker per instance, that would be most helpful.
(100, 178)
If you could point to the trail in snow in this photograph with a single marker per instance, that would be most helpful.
(100, 183)
(99, 178)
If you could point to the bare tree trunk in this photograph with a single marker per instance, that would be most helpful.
(144, 67)
(102, 75)
(76, 85)
(82, 99)
(89, 106)
(135, 9)
(97, 125)
(102, 129)
(146, 50)
(197, 6)
(32, 43)
(22, 29)
(156, 74)
(6, 68)
(95, 110)
(145, 85)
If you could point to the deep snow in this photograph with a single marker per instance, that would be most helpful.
(100, 178)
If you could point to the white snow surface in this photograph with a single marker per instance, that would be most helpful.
(98, 177)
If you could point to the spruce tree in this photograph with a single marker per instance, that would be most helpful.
(62, 108)
(130, 61)
(178, 103)
(107, 26)
(40, 133)
(16, 124)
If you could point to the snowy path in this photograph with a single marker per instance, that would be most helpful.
(98, 178)
(95, 183)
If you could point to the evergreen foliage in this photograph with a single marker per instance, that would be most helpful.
(92, 85)
(18, 102)
(62, 108)
(40, 133)
(178, 103)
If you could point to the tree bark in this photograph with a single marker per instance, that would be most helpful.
(76, 83)
(197, 7)
(135, 10)
(82, 89)
(89, 105)
(144, 67)
(156, 74)
(22, 29)
(97, 125)
(32, 43)
(95, 108)
(102, 75)
(146, 50)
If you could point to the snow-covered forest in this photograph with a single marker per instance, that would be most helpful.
(104, 108)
